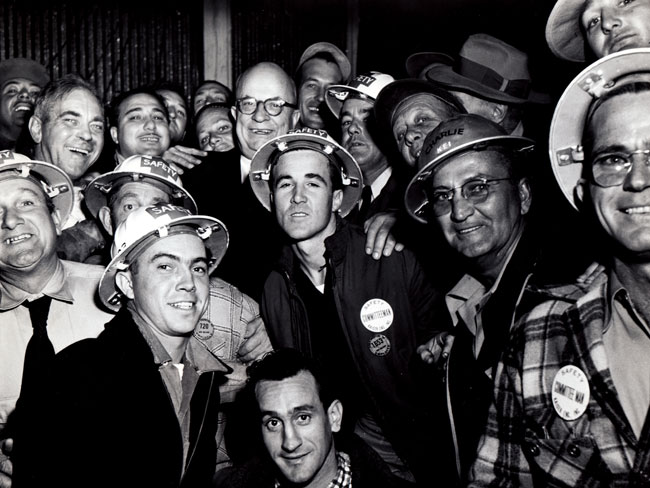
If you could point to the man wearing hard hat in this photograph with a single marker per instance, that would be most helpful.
(472, 186)
(145, 392)
(572, 388)
(331, 300)
(35, 198)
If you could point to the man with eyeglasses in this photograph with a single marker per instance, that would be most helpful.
(265, 107)
(472, 186)
(572, 391)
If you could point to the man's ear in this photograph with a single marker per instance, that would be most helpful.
(337, 200)
(36, 128)
(335, 415)
(499, 111)
(525, 195)
(295, 117)
(56, 218)
(124, 283)
(104, 216)
(113, 132)
(233, 112)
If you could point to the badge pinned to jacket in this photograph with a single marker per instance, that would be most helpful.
(570, 393)
(376, 315)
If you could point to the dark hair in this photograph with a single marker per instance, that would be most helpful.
(285, 363)
(229, 94)
(633, 87)
(170, 86)
(57, 90)
(113, 111)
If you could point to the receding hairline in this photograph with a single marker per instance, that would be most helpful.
(267, 69)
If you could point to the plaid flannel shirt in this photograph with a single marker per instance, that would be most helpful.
(526, 442)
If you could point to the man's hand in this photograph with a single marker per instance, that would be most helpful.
(180, 157)
(6, 466)
(256, 341)
(379, 240)
(589, 275)
(437, 348)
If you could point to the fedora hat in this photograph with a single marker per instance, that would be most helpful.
(489, 68)
(417, 64)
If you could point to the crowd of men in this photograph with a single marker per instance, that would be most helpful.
(194, 291)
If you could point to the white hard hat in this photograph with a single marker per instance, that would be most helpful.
(144, 226)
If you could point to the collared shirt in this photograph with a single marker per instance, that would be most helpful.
(74, 315)
(77, 213)
(380, 182)
(466, 300)
(343, 477)
(627, 341)
(245, 167)
(179, 379)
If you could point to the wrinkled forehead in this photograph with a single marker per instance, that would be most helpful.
(21, 81)
(263, 84)
(419, 101)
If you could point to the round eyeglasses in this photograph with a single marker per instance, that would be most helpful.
(273, 106)
(475, 191)
(611, 169)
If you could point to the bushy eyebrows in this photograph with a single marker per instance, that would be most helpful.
(299, 409)
(174, 257)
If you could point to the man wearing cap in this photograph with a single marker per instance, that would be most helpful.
(353, 105)
(581, 30)
(321, 65)
(231, 326)
(330, 300)
(21, 80)
(140, 402)
(491, 79)
(409, 109)
(571, 391)
(471, 185)
(35, 197)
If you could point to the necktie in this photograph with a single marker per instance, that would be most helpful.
(39, 350)
(366, 198)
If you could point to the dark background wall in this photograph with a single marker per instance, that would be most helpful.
(121, 44)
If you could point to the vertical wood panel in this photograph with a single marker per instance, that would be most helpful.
(115, 45)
